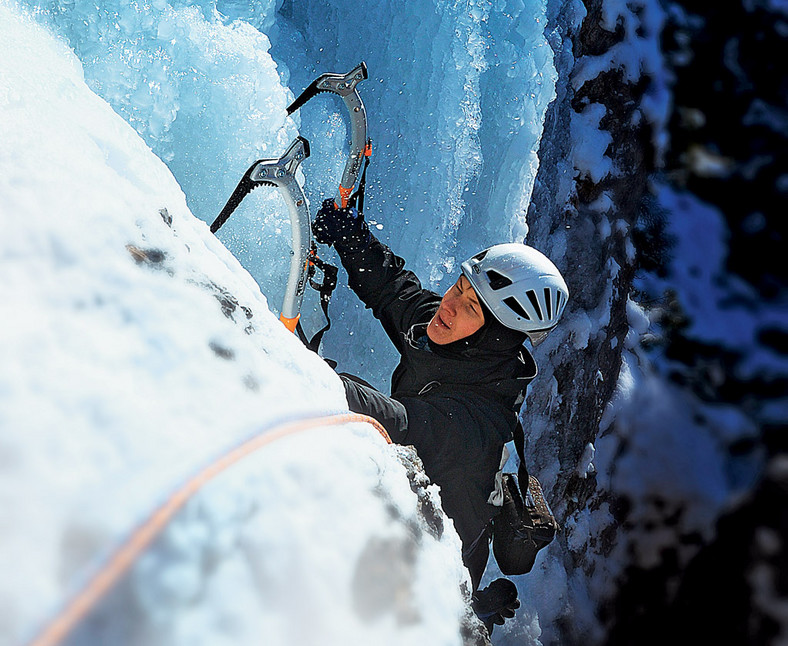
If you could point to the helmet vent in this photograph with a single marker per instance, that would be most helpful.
(549, 302)
(497, 281)
(558, 301)
(535, 302)
(511, 301)
(480, 256)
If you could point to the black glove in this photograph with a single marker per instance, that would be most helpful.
(496, 603)
(344, 228)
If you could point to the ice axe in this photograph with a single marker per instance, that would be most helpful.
(280, 173)
(345, 86)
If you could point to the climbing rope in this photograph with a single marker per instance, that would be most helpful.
(127, 553)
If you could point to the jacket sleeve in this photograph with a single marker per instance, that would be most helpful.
(394, 294)
(363, 398)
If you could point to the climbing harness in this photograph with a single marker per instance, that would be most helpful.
(118, 564)
(325, 289)
(280, 173)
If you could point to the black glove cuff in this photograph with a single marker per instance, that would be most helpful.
(356, 241)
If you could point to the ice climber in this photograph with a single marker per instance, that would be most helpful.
(463, 370)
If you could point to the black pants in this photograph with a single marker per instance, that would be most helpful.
(476, 555)
(366, 399)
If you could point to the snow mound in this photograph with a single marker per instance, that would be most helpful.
(135, 350)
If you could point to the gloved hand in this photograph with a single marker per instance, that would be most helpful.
(344, 228)
(496, 603)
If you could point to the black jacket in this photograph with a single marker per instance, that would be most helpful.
(457, 404)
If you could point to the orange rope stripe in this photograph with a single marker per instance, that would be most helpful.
(143, 536)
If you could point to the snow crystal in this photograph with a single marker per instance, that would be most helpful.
(623, 393)
(591, 143)
(579, 329)
(637, 317)
(603, 205)
(585, 465)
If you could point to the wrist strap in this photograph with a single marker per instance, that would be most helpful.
(519, 445)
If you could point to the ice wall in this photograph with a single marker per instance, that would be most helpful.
(456, 101)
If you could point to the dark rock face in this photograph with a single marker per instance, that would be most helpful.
(732, 592)
(593, 219)
(726, 144)
(597, 242)
(729, 136)
(729, 129)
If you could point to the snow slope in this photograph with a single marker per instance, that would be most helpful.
(135, 349)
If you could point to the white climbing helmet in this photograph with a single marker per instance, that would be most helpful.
(521, 287)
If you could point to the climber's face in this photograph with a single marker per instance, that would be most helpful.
(459, 314)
